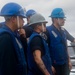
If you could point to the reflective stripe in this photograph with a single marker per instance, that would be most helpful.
(55, 35)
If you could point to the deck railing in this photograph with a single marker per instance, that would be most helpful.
(72, 57)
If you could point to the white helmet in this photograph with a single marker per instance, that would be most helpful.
(37, 18)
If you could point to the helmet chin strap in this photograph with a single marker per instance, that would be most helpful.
(18, 22)
(42, 27)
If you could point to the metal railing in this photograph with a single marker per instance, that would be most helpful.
(72, 57)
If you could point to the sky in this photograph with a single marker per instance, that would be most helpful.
(45, 8)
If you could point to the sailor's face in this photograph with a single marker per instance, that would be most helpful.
(42, 27)
(61, 21)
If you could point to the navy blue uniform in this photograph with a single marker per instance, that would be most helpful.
(58, 50)
(28, 30)
(12, 58)
(37, 42)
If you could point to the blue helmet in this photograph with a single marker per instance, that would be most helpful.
(30, 12)
(12, 9)
(57, 13)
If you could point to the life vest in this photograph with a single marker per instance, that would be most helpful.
(21, 66)
(58, 45)
(33, 68)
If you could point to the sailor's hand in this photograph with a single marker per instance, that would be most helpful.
(22, 32)
(70, 65)
(53, 70)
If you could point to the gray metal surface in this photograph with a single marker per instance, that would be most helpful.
(71, 51)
